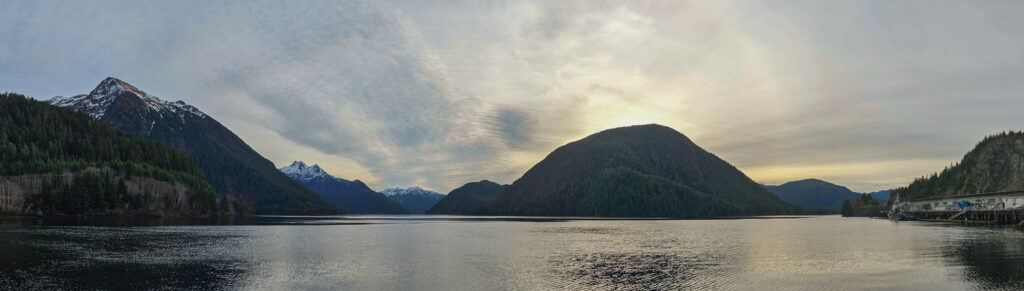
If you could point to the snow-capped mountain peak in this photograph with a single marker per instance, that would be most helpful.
(411, 191)
(416, 199)
(100, 99)
(302, 172)
(112, 85)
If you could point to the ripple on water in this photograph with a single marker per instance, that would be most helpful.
(630, 271)
(101, 258)
(580, 230)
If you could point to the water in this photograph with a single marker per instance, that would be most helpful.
(464, 253)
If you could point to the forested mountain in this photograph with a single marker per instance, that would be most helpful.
(813, 193)
(416, 199)
(468, 199)
(863, 206)
(355, 196)
(57, 161)
(227, 162)
(647, 170)
(995, 164)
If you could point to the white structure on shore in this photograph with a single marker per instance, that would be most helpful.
(982, 201)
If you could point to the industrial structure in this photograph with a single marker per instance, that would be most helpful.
(994, 207)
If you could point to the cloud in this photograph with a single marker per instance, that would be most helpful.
(513, 126)
(868, 94)
(365, 89)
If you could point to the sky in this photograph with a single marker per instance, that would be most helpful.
(865, 94)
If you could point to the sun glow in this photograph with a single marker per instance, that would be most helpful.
(631, 120)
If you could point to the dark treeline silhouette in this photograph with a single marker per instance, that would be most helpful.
(865, 205)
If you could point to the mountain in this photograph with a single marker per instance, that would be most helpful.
(227, 162)
(415, 199)
(55, 161)
(468, 198)
(881, 195)
(995, 164)
(813, 193)
(636, 171)
(355, 196)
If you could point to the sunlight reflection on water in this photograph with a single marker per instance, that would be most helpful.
(467, 253)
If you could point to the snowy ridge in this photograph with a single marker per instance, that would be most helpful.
(300, 171)
(416, 199)
(99, 100)
(411, 191)
(95, 107)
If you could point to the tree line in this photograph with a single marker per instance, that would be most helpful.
(39, 138)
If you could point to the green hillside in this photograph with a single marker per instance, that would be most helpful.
(97, 164)
(995, 164)
(468, 199)
(637, 171)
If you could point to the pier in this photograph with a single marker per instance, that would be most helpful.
(1010, 216)
(1005, 207)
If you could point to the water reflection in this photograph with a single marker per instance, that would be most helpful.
(125, 221)
(476, 253)
(993, 261)
(116, 258)
(648, 270)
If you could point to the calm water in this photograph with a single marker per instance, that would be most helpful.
(458, 253)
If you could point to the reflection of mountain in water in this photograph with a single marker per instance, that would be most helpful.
(993, 262)
(116, 258)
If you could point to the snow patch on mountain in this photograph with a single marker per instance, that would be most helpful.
(302, 172)
(95, 107)
(411, 191)
(99, 100)
(416, 199)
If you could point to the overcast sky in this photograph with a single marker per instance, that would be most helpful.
(866, 94)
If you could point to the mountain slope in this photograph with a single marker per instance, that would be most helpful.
(813, 193)
(355, 196)
(468, 198)
(227, 162)
(995, 164)
(415, 199)
(57, 161)
(647, 170)
(882, 195)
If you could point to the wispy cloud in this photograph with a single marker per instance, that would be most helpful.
(867, 94)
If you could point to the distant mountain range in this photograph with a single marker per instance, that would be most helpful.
(636, 171)
(415, 199)
(468, 198)
(882, 196)
(354, 196)
(54, 161)
(995, 164)
(227, 162)
(813, 193)
(818, 193)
